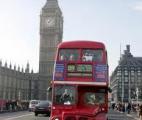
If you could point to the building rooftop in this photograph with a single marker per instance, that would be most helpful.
(127, 59)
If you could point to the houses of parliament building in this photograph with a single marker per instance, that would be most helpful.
(23, 84)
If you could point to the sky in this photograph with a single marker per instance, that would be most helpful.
(116, 23)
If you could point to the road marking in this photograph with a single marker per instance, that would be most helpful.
(11, 118)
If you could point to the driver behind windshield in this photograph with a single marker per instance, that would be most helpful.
(66, 97)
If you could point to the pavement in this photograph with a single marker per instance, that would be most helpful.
(6, 111)
(133, 115)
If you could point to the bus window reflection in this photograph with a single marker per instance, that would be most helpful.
(71, 55)
(64, 95)
(92, 55)
(94, 98)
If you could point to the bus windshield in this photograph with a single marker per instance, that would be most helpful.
(64, 94)
(92, 98)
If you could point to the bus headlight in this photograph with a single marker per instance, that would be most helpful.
(103, 109)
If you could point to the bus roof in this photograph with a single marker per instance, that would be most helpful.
(81, 44)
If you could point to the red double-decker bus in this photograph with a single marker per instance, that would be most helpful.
(80, 81)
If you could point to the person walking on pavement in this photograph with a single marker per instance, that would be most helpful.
(140, 112)
(129, 108)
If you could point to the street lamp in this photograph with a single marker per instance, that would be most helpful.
(137, 94)
(47, 94)
(122, 80)
(19, 95)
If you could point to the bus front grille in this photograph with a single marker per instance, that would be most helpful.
(83, 118)
(75, 118)
(70, 118)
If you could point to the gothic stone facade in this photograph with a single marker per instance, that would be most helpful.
(16, 84)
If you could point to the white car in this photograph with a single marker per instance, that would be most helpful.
(32, 104)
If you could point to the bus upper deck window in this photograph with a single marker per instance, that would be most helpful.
(92, 55)
(87, 57)
(69, 55)
(98, 55)
(62, 58)
(62, 55)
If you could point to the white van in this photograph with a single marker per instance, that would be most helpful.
(32, 104)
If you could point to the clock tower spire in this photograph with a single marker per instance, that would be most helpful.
(51, 31)
(51, 4)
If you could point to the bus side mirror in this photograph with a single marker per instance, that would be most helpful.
(109, 90)
(49, 89)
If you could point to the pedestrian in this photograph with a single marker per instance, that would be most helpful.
(113, 106)
(140, 112)
(123, 107)
(129, 108)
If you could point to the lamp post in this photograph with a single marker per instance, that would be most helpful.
(137, 94)
(122, 91)
(122, 80)
(30, 89)
(129, 80)
(19, 95)
(47, 94)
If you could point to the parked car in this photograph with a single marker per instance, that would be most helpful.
(43, 107)
(32, 104)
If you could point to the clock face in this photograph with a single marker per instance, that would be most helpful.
(50, 21)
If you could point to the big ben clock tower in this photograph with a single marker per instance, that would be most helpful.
(51, 30)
